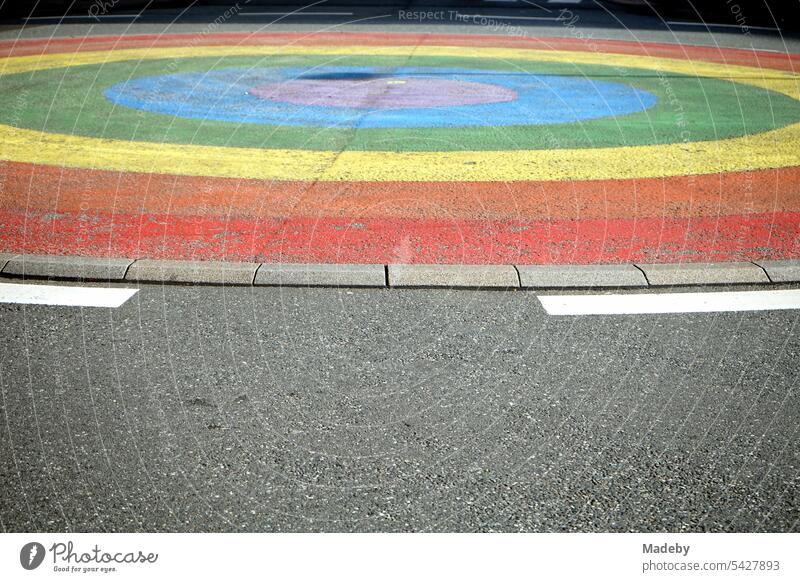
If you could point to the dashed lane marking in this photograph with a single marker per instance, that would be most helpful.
(650, 303)
(297, 13)
(720, 25)
(68, 296)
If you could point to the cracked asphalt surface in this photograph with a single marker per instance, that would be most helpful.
(265, 409)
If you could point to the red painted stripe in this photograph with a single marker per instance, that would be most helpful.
(727, 238)
(760, 59)
(53, 189)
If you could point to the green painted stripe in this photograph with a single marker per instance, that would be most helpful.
(690, 109)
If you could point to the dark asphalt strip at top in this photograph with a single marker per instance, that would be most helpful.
(268, 409)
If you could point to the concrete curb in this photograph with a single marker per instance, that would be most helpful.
(781, 271)
(580, 276)
(4, 258)
(58, 267)
(205, 272)
(468, 276)
(409, 276)
(319, 275)
(666, 274)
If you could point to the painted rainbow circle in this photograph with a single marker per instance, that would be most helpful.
(541, 134)
(772, 146)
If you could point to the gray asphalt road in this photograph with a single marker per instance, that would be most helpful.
(231, 409)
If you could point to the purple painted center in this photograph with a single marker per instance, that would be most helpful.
(383, 92)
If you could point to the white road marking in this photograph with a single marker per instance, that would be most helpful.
(711, 25)
(503, 17)
(533, 3)
(635, 303)
(64, 295)
(84, 17)
(296, 13)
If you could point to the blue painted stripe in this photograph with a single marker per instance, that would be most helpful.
(222, 95)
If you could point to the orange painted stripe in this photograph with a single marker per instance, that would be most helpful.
(54, 189)
(761, 59)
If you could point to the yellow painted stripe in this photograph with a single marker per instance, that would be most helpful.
(774, 149)
(24, 145)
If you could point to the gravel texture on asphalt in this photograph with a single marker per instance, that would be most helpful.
(264, 409)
